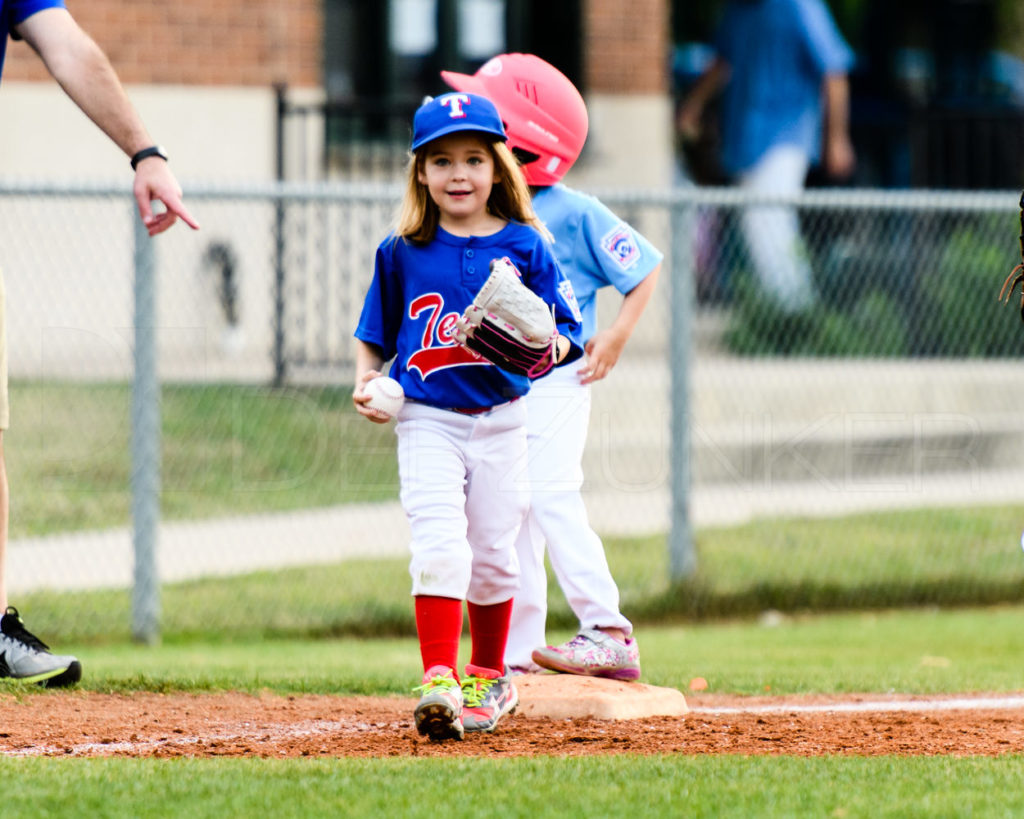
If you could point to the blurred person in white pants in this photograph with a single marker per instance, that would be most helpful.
(772, 232)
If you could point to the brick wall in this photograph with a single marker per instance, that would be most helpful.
(626, 46)
(197, 42)
(260, 42)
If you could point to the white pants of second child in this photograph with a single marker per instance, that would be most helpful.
(558, 413)
(773, 232)
(464, 491)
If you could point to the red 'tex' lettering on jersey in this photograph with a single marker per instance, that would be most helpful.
(439, 350)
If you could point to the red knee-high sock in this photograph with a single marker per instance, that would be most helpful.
(439, 625)
(488, 626)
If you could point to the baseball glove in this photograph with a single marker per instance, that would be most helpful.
(1017, 274)
(509, 324)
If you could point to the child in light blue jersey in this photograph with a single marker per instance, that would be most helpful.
(546, 121)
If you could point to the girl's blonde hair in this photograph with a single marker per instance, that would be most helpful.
(510, 199)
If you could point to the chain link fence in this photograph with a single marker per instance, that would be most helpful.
(895, 384)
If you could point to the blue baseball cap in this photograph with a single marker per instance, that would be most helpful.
(454, 112)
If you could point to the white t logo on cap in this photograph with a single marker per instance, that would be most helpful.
(455, 102)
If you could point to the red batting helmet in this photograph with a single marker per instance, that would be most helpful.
(545, 116)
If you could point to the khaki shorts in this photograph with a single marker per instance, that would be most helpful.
(5, 405)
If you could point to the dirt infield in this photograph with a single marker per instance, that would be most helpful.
(85, 724)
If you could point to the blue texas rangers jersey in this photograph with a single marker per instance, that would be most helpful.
(419, 291)
(594, 247)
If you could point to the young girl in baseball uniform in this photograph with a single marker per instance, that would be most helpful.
(546, 120)
(461, 432)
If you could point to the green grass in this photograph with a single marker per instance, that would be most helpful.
(595, 787)
(920, 651)
(227, 449)
(870, 560)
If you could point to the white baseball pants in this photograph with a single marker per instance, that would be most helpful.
(464, 490)
(773, 232)
(558, 414)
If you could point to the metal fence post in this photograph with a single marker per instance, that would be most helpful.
(280, 366)
(145, 444)
(279, 249)
(682, 555)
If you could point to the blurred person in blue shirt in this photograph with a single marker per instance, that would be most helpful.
(782, 67)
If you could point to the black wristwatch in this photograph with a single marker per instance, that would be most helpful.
(145, 153)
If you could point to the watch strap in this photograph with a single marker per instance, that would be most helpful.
(145, 153)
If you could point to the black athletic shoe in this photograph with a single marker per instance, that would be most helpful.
(25, 657)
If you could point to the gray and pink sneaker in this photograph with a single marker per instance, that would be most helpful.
(488, 696)
(592, 653)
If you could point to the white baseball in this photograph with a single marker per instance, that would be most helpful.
(386, 395)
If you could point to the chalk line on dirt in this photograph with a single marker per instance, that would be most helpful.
(241, 733)
(876, 706)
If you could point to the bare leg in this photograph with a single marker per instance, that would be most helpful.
(4, 515)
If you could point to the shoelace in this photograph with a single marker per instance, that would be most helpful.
(436, 682)
(15, 629)
(474, 689)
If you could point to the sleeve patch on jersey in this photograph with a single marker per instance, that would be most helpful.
(621, 245)
(569, 297)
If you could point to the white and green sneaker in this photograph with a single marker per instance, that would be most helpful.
(25, 657)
